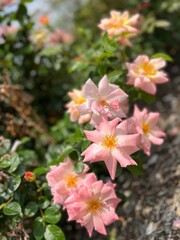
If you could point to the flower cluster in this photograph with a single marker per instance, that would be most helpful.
(114, 137)
(88, 201)
(113, 140)
(121, 26)
(44, 36)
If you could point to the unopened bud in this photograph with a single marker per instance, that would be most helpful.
(30, 176)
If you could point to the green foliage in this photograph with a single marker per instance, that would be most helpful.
(38, 228)
(52, 215)
(165, 56)
(53, 232)
(31, 209)
(12, 208)
(34, 82)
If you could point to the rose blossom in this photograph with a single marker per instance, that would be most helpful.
(145, 124)
(59, 36)
(77, 100)
(121, 25)
(145, 73)
(39, 37)
(111, 144)
(107, 99)
(44, 20)
(63, 180)
(93, 205)
(3, 3)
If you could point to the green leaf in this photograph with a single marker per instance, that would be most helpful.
(78, 166)
(21, 12)
(12, 208)
(148, 98)
(85, 145)
(4, 146)
(43, 202)
(14, 183)
(162, 23)
(28, 156)
(109, 45)
(14, 163)
(25, 140)
(5, 161)
(136, 170)
(40, 170)
(65, 152)
(52, 215)
(114, 76)
(38, 228)
(31, 209)
(122, 197)
(118, 171)
(74, 155)
(165, 56)
(53, 232)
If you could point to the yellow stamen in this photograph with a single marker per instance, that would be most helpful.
(80, 100)
(71, 181)
(109, 141)
(148, 68)
(145, 128)
(103, 102)
(94, 206)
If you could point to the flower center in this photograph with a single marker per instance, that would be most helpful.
(94, 206)
(80, 100)
(148, 68)
(109, 141)
(71, 181)
(103, 102)
(145, 128)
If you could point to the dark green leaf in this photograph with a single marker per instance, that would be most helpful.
(136, 170)
(118, 171)
(43, 202)
(31, 209)
(74, 155)
(122, 197)
(52, 215)
(14, 183)
(38, 228)
(53, 232)
(21, 12)
(148, 98)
